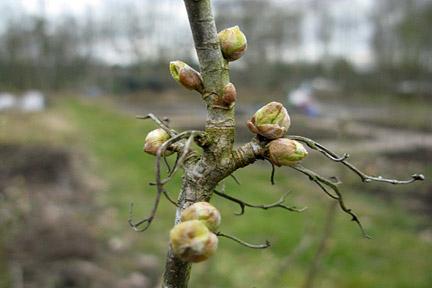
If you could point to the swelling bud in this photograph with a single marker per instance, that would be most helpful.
(286, 152)
(204, 212)
(154, 140)
(271, 121)
(233, 43)
(186, 76)
(229, 94)
(192, 241)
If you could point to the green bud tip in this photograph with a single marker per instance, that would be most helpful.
(233, 43)
(175, 67)
(205, 212)
(186, 76)
(286, 152)
(270, 121)
(154, 140)
(192, 241)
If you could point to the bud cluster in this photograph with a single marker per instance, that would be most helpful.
(193, 239)
(272, 122)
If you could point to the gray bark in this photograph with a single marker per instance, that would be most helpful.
(219, 159)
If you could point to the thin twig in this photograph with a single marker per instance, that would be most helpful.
(181, 159)
(321, 181)
(166, 163)
(135, 226)
(172, 201)
(159, 185)
(243, 205)
(253, 246)
(342, 159)
(272, 175)
(166, 120)
(235, 179)
(159, 122)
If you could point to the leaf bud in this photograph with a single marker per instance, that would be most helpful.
(233, 43)
(229, 94)
(154, 140)
(270, 121)
(186, 76)
(205, 212)
(192, 241)
(286, 152)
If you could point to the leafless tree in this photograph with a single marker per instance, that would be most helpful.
(218, 158)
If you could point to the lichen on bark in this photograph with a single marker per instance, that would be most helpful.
(201, 178)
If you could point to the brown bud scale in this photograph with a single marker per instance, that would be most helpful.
(229, 94)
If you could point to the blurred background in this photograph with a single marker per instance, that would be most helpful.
(355, 75)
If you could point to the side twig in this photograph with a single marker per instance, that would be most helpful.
(342, 159)
(159, 184)
(235, 179)
(322, 182)
(244, 243)
(159, 122)
(164, 125)
(182, 157)
(243, 205)
(272, 175)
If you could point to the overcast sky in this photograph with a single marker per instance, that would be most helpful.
(351, 43)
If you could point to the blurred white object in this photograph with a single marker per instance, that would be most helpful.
(324, 85)
(7, 101)
(32, 101)
(301, 96)
(303, 99)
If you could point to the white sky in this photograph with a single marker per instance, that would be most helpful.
(354, 44)
(58, 7)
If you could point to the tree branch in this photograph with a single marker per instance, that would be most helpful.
(244, 243)
(322, 182)
(159, 122)
(159, 184)
(277, 204)
(342, 159)
(215, 164)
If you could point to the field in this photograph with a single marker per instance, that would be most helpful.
(107, 148)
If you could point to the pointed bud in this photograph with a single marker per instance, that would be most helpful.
(186, 76)
(205, 212)
(154, 140)
(233, 43)
(229, 94)
(271, 121)
(192, 241)
(286, 152)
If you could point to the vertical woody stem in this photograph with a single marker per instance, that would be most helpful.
(201, 177)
